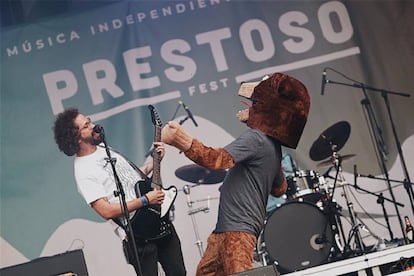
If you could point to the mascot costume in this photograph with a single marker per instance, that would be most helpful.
(276, 117)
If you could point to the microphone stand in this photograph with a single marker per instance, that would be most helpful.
(127, 222)
(183, 120)
(173, 117)
(378, 139)
(189, 114)
(380, 200)
(408, 185)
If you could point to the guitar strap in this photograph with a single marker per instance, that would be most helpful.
(135, 167)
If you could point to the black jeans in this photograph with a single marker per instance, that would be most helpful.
(166, 251)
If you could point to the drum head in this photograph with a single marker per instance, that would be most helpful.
(297, 235)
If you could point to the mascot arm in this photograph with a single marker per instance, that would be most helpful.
(208, 157)
(212, 158)
(279, 189)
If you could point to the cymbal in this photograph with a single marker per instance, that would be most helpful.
(330, 161)
(197, 174)
(331, 140)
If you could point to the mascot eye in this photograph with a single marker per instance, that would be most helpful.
(256, 101)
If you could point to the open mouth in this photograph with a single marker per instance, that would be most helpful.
(243, 115)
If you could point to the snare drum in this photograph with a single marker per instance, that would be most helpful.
(307, 185)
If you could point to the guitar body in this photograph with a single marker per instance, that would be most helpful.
(152, 222)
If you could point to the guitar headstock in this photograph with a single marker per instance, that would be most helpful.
(154, 116)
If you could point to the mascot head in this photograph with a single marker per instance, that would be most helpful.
(280, 107)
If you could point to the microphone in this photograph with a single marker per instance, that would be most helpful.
(324, 81)
(355, 174)
(189, 114)
(186, 190)
(98, 129)
(321, 240)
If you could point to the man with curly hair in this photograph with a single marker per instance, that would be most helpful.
(75, 136)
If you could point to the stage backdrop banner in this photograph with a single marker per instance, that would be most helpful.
(112, 62)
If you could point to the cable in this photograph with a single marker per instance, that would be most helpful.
(341, 74)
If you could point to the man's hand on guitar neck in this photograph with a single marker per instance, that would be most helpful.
(159, 148)
(155, 197)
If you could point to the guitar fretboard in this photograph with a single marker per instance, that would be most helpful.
(156, 173)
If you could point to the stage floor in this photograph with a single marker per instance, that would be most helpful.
(368, 264)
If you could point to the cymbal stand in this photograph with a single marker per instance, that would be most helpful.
(332, 212)
(354, 232)
(333, 222)
(191, 213)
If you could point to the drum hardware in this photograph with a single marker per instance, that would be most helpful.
(332, 211)
(261, 253)
(205, 199)
(345, 158)
(199, 176)
(327, 145)
(354, 232)
(306, 185)
(191, 213)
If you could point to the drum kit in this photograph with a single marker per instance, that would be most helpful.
(305, 230)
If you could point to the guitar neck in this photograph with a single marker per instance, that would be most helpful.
(156, 170)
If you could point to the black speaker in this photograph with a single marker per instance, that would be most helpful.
(269, 270)
(65, 263)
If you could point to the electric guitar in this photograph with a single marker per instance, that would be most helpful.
(152, 222)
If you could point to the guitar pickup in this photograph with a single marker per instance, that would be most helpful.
(155, 209)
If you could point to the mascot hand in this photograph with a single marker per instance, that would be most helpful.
(280, 190)
(173, 134)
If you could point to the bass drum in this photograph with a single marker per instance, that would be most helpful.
(297, 236)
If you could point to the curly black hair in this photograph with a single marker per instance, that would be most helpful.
(66, 133)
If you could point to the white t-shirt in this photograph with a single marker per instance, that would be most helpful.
(95, 179)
